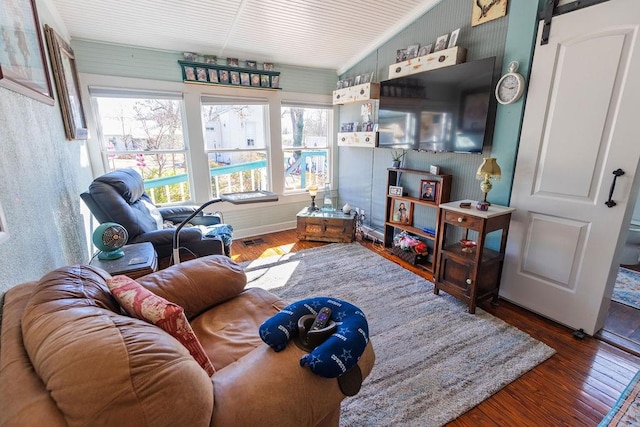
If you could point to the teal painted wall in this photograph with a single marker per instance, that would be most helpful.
(509, 38)
(41, 176)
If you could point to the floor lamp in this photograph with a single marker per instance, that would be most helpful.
(245, 197)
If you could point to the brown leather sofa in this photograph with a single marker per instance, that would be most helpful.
(69, 357)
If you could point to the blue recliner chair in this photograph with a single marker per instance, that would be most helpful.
(119, 196)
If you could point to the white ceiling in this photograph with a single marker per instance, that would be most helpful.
(333, 34)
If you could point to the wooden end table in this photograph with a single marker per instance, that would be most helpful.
(139, 260)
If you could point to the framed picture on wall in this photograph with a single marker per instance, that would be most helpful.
(23, 65)
(65, 74)
(4, 234)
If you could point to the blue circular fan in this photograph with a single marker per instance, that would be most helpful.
(109, 238)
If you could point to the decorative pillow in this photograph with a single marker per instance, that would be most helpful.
(340, 352)
(143, 304)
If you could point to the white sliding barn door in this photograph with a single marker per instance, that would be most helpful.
(582, 122)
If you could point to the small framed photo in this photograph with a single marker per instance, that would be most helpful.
(251, 64)
(190, 73)
(366, 78)
(244, 79)
(425, 50)
(190, 56)
(401, 212)
(395, 191)
(453, 39)
(234, 77)
(264, 80)
(232, 62)
(441, 43)
(401, 55)
(356, 80)
(202, 74)
(434, 170)
(255, 79)
(412, 51)
(213, 75)
(210, 59)
(224, 76)
(275, 81)
(267, 66)
(428, 190)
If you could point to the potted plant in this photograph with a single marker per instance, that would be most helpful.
(397, 157)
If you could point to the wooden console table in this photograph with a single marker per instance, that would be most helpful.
(470, 275)
(325, 226)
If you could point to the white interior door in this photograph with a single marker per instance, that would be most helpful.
(581, 123)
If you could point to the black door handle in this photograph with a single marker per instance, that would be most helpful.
(616, 173)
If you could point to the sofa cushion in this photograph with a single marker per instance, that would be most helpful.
(145, 305)
(24, 400)
(198, 284)
(226, 336)
(105, 368)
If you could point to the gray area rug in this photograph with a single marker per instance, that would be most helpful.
(434, 361)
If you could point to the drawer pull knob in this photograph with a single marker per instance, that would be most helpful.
(468, 281)
(460, 219)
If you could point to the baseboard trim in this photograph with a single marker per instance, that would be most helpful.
(265, 229)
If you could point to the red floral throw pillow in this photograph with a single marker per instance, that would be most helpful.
(143, 304)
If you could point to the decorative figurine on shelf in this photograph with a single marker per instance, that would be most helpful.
(346, 208)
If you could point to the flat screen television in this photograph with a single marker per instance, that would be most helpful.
(450, 109)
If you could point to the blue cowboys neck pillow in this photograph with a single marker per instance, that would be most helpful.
(340, 352)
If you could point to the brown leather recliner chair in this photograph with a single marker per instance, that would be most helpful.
(68, 356)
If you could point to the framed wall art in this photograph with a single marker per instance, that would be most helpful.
(4, 234)
(65, 74)
(23, 64)
(487, 10)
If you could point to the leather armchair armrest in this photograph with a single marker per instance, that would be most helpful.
(165, 236)
(198, 284)
(288, 393)
(177, 214)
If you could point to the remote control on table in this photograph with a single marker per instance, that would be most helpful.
(321, 319)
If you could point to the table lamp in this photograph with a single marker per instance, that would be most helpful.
(313, 192)
(487, 171)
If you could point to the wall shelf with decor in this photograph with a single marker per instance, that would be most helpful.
(226, 75)
(444, 58)
(363, 96)
(432, 190)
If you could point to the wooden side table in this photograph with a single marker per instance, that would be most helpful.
(323, 226)
(471, 275)
(139, 260)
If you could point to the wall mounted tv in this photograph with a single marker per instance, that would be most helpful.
(450, 109)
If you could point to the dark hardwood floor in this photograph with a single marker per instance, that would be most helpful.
(622, 327)
(575, 387)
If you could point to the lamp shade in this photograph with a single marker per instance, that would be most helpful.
(313, 190)
(489, 169)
